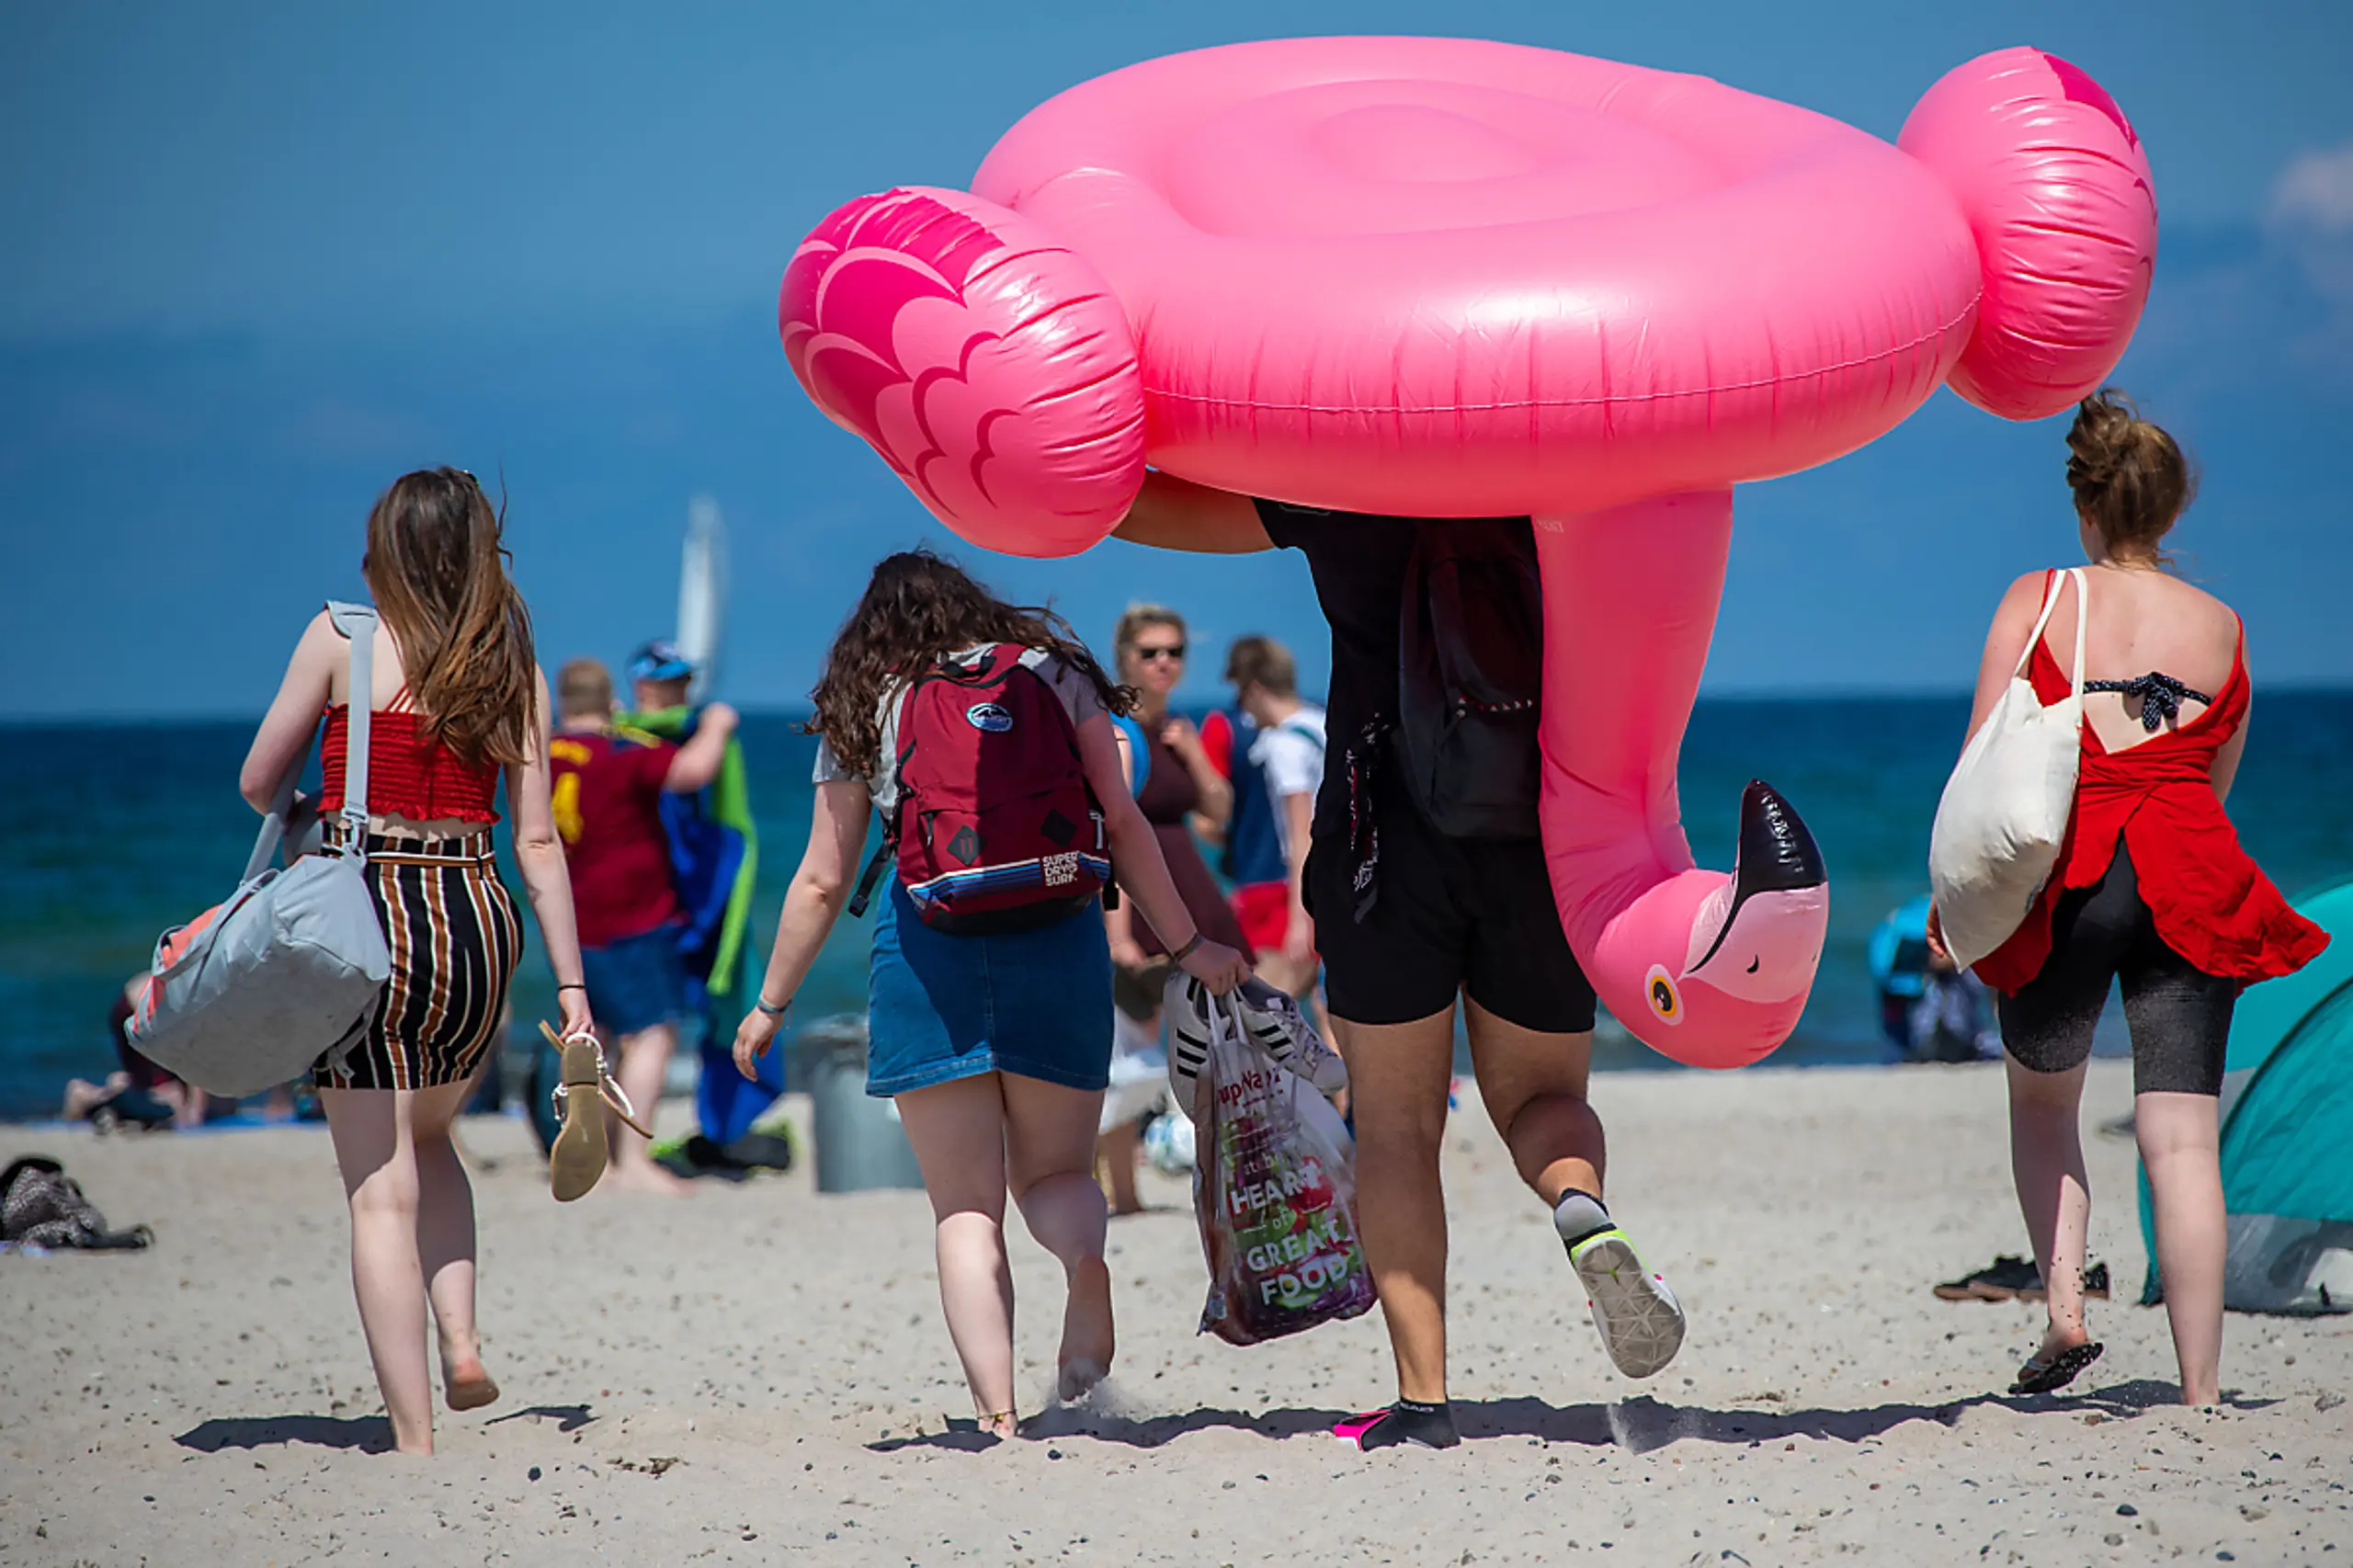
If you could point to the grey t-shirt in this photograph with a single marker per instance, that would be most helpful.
(1079, 699)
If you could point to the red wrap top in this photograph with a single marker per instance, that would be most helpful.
(2209, 900)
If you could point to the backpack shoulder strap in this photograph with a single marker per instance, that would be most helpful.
(891, 705)
(988, 665)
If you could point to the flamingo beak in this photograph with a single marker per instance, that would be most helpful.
(1775, 910)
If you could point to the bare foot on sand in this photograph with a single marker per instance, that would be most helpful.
(465, 1384)
(1087, 1344)
(644, 1175)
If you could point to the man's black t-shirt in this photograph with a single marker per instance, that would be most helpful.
(1358, 562)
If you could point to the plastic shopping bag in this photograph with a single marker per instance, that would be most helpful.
(1274, 1187)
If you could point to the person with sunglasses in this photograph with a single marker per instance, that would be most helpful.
(1181, 788)
(1181, 785)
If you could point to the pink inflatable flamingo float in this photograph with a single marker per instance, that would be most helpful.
(1441, 277)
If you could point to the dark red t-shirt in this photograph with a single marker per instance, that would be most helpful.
(607, 800)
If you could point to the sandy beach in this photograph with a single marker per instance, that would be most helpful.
(758, 1374)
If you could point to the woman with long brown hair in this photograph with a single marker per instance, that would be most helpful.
(994, 1036)
(458, 702)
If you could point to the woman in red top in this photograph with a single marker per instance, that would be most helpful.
(458, 701)
(2151, 890)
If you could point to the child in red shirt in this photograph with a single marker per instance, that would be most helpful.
(607, 789)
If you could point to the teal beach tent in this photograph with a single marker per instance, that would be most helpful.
(2288, 1133)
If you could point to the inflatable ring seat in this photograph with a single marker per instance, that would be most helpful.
(1451, 278)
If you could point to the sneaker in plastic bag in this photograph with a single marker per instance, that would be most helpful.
(1271, 1020)
(1185, 1003)
(1276, 1025)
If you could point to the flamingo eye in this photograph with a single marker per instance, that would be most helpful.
(1658, 990)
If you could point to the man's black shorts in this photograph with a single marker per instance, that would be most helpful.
(1469, 916)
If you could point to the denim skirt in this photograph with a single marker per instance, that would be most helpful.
(943, 1006)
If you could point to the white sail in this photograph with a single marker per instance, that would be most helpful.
(702, 595)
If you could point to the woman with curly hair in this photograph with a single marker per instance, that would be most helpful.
(995, 1043)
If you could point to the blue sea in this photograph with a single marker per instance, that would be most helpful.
(115, 832)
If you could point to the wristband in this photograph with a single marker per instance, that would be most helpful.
(1186, 951)
(574, 985)
(774, 1012)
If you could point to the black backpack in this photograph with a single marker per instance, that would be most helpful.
(1470, 672)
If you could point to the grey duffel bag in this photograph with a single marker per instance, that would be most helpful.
(291, 966)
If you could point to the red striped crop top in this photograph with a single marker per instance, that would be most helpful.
(408, 776)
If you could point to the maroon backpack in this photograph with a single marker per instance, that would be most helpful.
(994, 827)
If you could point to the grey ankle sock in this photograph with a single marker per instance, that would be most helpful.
(1579, 1215)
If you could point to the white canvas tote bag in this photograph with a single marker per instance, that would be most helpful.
(2006, 806)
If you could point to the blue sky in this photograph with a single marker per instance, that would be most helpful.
(262, 258)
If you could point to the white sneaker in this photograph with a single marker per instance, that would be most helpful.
(1187, 1003)
(1276, 1025)
(1271, 1021)
(1639, 1320)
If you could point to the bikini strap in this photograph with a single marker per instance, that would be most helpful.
(2160, 695)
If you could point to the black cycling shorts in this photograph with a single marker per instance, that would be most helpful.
(2179, 1015)
(1473, 916)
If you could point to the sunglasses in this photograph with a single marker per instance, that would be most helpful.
(1153, 655)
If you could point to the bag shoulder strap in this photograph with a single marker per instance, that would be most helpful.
(2050, 602)
(356, 622)
(2083, 619)
(348, 619)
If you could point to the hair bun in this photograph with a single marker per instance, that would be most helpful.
(2095, 472)
(2106, 430)
(2127, 475)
